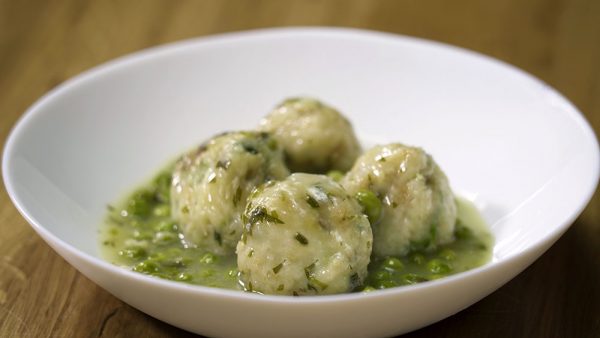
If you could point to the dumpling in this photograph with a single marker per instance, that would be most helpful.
(418, 207)
(315, 137)
(210, 186)
(303, 235)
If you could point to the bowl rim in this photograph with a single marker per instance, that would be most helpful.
(37, 109)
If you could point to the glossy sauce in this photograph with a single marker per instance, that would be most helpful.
(140, 235)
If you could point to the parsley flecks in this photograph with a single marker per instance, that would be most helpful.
(217, 236)
(308, 270)
(313, 282)
(311, 201)
(250, 149)
(260, 214)
(223, 164)
(301, 239)
(238, 196)
(278, 267)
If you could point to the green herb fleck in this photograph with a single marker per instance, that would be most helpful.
(312, 282)
(278, 267)
(238, 196)
(260, 214)
(301, 239)
(217, 236)
(272, 143)
(461, 231)
(223, 164)
(250, 149)
(308, 270)
(311, 201)
(162, 187)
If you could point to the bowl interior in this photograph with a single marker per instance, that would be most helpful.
(505, 140)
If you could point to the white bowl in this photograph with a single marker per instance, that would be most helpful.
(519, 150)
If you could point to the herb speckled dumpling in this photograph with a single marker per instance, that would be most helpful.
(303, 235)
(211, 184)
(315, 137)
(419, 210)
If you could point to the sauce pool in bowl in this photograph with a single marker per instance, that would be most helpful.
(139, 234)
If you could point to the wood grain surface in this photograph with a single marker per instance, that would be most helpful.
(43, 43)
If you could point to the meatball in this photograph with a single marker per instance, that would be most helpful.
(316, 138)
(211, 184)
(418, 207)
(303, 235)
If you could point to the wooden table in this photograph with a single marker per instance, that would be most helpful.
(43, 43)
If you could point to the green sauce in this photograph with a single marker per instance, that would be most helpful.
(140, 235)
(472, 248)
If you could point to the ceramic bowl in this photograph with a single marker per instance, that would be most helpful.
(512, 145)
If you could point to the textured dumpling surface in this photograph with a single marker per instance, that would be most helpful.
(211, 184)
(419, 210)
(315, 137)
(303, 235)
